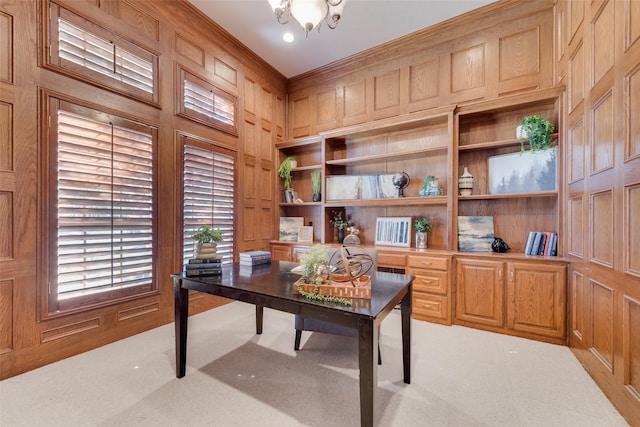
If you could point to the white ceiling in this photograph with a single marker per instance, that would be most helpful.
(364, 24)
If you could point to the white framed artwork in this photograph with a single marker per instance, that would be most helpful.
(393, 231)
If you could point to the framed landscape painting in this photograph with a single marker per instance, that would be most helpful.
(526, 172)
(475, 233)
(289, 228)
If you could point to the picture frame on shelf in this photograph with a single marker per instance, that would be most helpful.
(289, 228)
(475, 233)
(525, 172)
(305, 234)
(393, 231)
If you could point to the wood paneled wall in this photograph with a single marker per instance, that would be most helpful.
(599, 61)
(181, 36)
(503, 49)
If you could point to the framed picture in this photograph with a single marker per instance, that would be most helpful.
(475, 233)
(289, 227)
(393, 231)
(523, 172)
(305, 234)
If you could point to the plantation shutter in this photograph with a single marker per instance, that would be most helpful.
(89, 51)
(208, 196)
(103, 183)
(204, 103)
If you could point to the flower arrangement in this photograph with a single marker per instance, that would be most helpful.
(353, 230)
(339, 222)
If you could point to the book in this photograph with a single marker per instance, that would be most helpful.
(527, 248)
(253, 254)
(252, 262)
(543, 240)
(547, 242)
(203, 272)
(217, 258)
(554, 244)
(535, 247)
(203, 266)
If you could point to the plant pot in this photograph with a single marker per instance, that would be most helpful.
(421, 240)
(206, 250)
(317, 197)
(340, 236)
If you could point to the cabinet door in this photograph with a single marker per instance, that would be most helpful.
(536, 299)
(480, 292)
(280, 252)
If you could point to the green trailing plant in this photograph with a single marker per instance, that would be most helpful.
(423, 225)
(316, 182)
(206, 234)
(314, 296)
(284, 171)
(538, 131)
(338, 222)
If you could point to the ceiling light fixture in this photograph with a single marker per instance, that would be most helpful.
(309, 13)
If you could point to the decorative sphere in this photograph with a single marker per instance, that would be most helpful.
(400, 180)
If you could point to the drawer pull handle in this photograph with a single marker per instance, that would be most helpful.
(427, 305)
(426, 262)
(426, 281)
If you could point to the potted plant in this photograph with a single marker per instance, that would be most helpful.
(206, 239)
(284, 170)
(340, 224)
(316, 185)
(422, 227)
(537, 130)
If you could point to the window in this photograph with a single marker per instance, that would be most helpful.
(203, 102)
(89, 52)
(208, 194)
(101, 213)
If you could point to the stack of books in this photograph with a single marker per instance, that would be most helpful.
(201, 267)
(255, 258)
(542, 243)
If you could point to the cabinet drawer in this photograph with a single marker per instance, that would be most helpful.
(298, 251)
(386, 259)
(430, 281)
(431, 262)
(430, 305)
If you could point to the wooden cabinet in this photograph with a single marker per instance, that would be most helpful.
(520, 191)
(431, 291)
(536, 299)
(533, 296)
(480, 292)
(287, 251)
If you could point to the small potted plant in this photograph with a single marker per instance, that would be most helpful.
(422, 227)
(316, 185)
(537, 130)
(340, 224)
(284, 171)
(206, 239)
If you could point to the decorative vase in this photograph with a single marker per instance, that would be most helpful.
(206, 250)
(465, 183)
(340, 235)
(351, 239)
(426, 184)
(421, 240)
(317, 197)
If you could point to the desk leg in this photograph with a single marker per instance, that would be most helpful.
(181, 312)
(405, 313)
(367, 341)
(259, 313)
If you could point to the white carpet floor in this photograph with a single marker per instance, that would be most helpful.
(461, 377)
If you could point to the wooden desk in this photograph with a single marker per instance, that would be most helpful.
(271, 286)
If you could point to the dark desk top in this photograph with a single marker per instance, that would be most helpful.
(275, 282)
